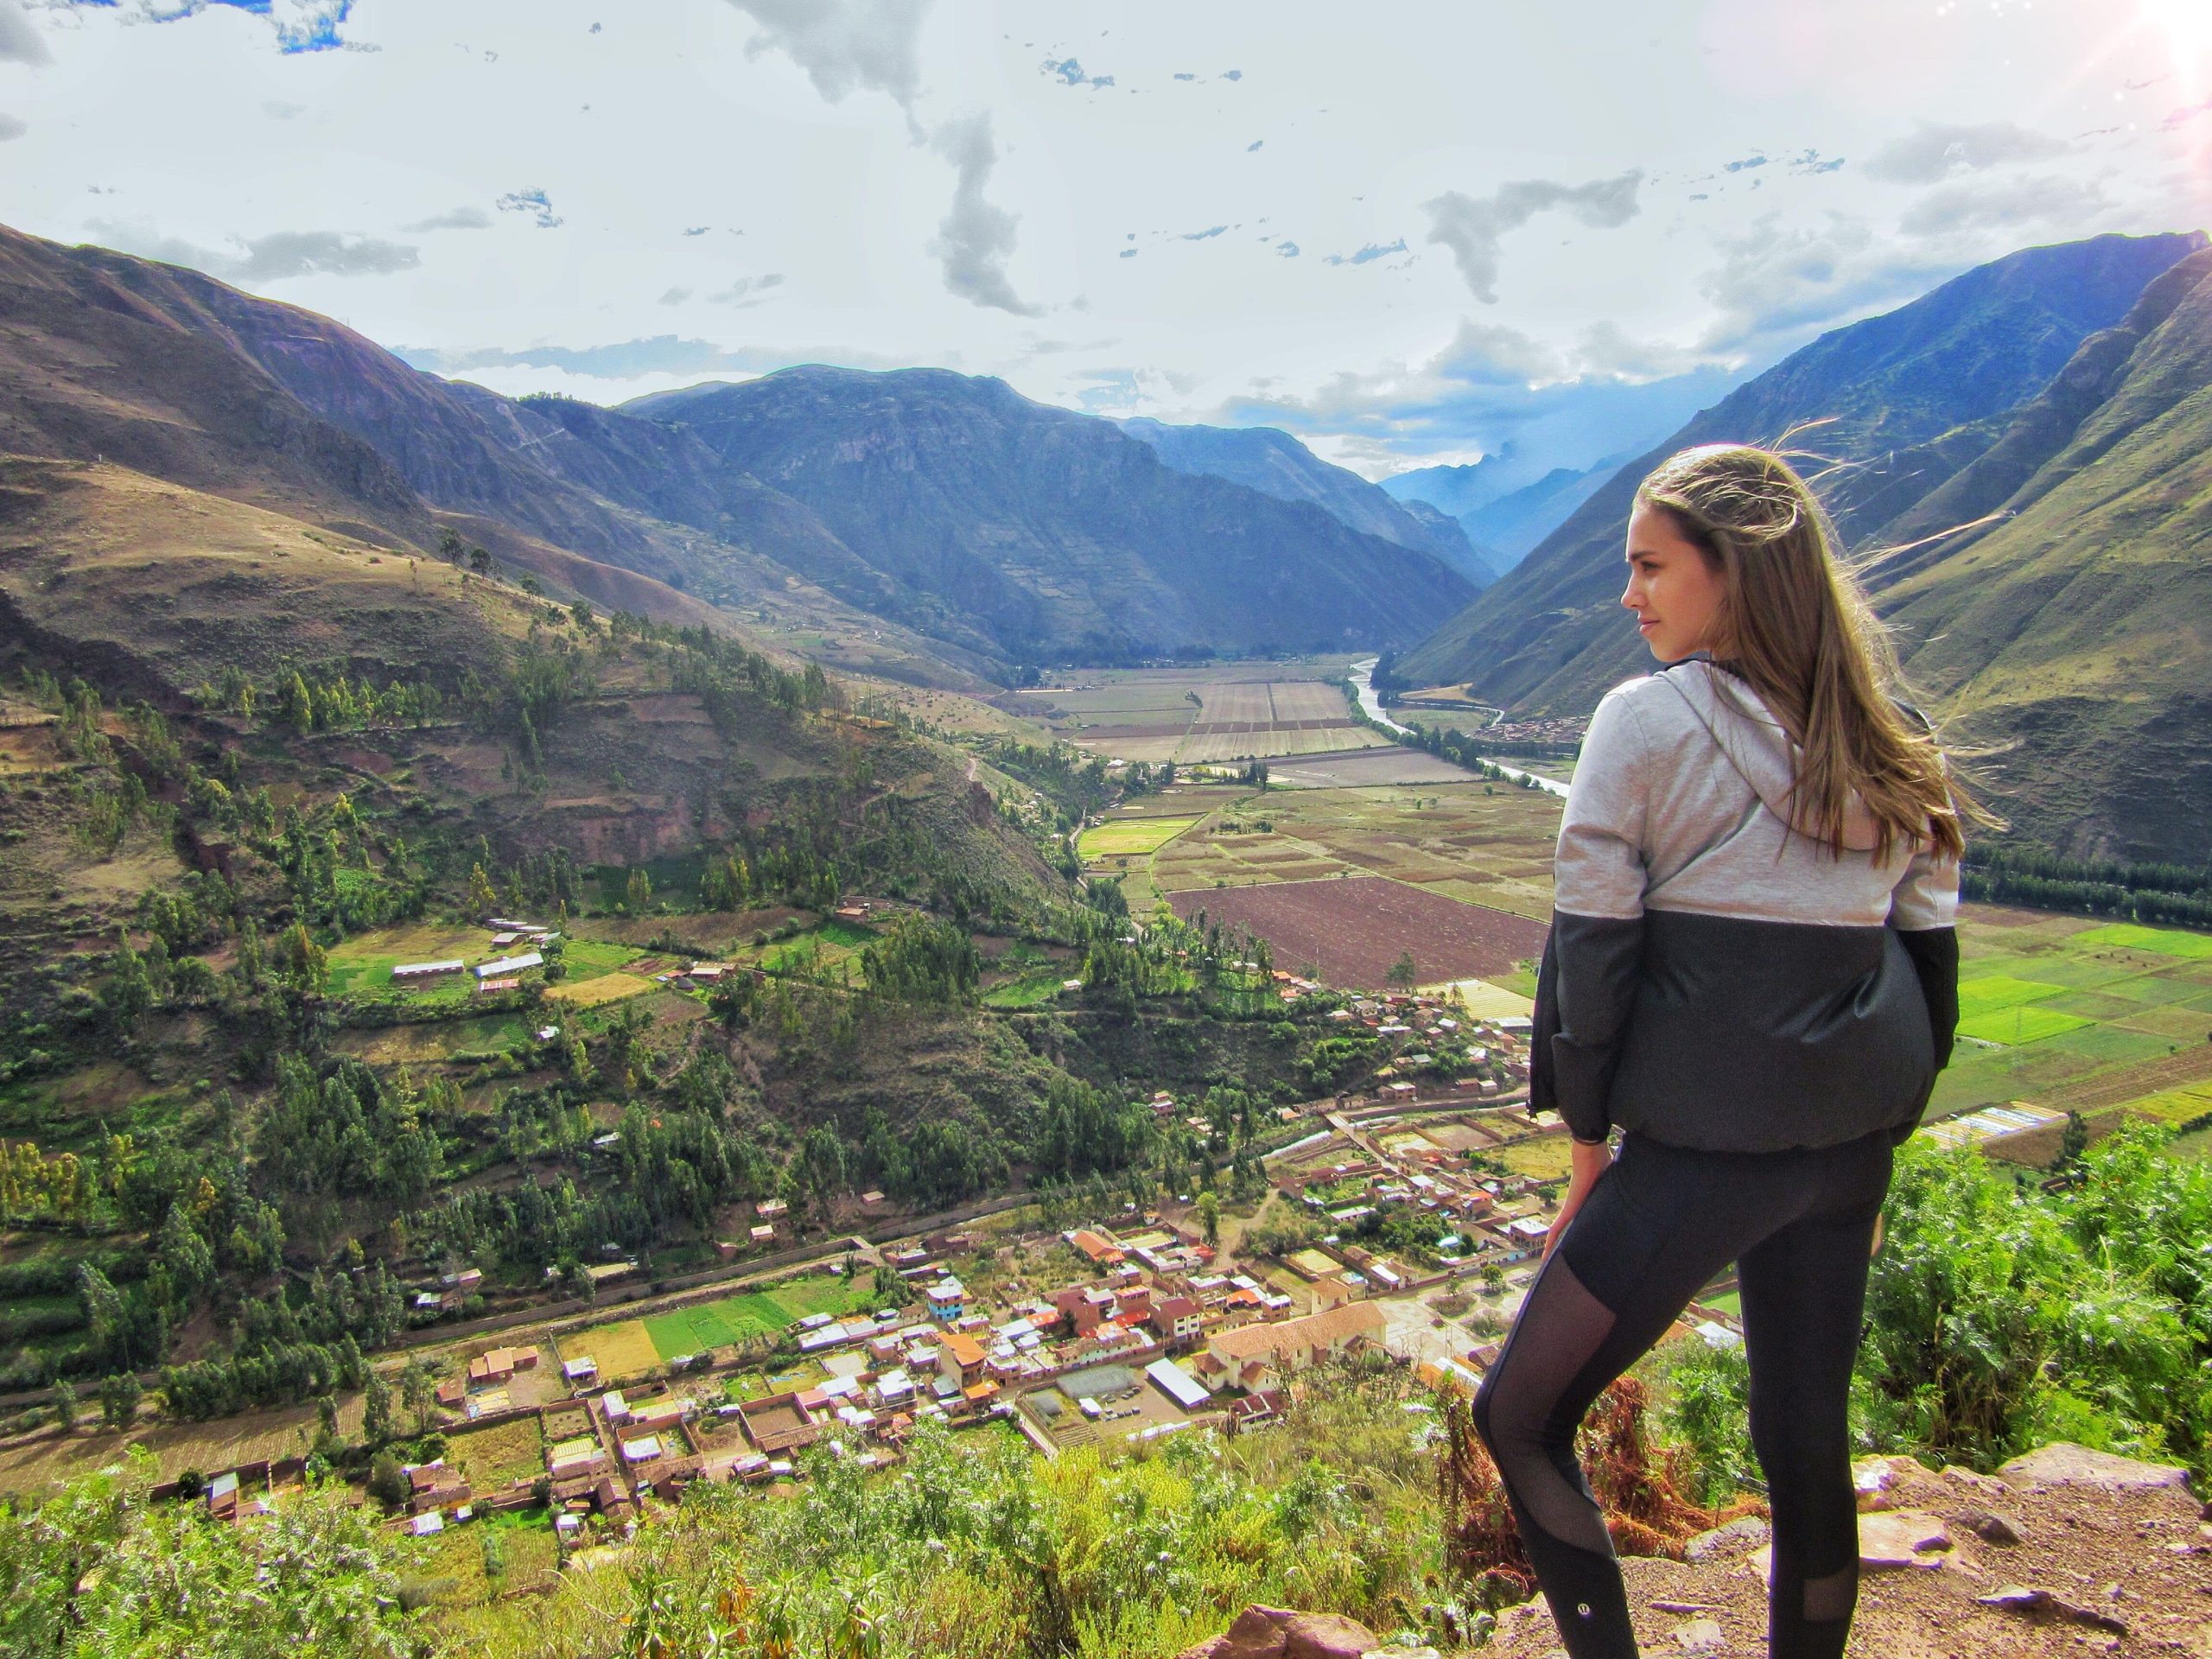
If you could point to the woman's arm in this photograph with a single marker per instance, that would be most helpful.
(1586, 984)
(1923, 913)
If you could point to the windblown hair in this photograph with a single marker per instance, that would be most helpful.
(1794, 624)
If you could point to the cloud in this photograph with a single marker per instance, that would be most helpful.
(1747, 163)
(1372, 251)
(301, 25)
(10, 127)
(536, 203)
(1605, 351)
(1254, 145)
(1487, 354)
(458, 218)
(696, 229)
(747, 290)
(629, 359)
(1475, 227)
(2002, 204)
(19, 42)
(676, 297)
(1773, 285)
(975, 237)
(1069, 73)
(1287, 249)
(275, 257)
(278, 109)
(846, 45)
(1202, 236)
(1931, 152)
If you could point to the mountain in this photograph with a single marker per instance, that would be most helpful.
(1035, 532)
(1908, 399)
(1515, 522)
(1275, 463)
(1973, 400)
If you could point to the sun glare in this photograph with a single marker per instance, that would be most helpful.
(2187, 26)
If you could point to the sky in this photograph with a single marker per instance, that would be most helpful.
(1413, 233)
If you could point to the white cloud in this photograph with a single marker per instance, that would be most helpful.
(1475, 227)
(1932, 152)
(749, 290)
(19, 40)
(535, 203)
(2004, 204)
(975, 239)
(277, 256)
(10, 127)
(846, 45)
(458, 218)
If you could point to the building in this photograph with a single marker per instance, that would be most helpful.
(1256, 1357)
(427, 970)
(1175, 1383)
(505, 967)
(1177, 1318)
(948, 1299)
(1101, 1250)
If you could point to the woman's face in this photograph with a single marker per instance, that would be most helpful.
(1675, 594)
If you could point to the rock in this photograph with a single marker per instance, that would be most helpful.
(1700, 1636)
(1991, 1526)
(1887, 1541)
(1284, 1633)
(1684, 1607)
(1739, 1533)
(2032, 1601)
(1871, 1478)
(1901, 1538)
(2062, 1463)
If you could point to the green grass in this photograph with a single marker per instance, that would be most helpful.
(1131, 838)
(588, 958)
(1987, 993)
(1027, 992)
(2015, 1026)
(2165, 941)
(732, 1319)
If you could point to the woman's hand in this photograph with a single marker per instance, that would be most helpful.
(1591, 1160)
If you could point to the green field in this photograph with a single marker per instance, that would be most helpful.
(2166, 941)
(2057, 1009)
(2015, 1026)
(1991, 992)
(1131, 838)
(732, 1319)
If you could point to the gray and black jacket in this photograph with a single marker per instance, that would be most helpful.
(1716, 978)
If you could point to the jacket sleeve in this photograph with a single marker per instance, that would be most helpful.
(1586, 986)
(1923, 913)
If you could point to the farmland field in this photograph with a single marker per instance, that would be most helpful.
(1131, 836)
(732, 1319)
(491, 1457)
(1353, 930)
(1218, 715)
(2070, 1014)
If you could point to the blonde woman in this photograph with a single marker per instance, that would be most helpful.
(1753, 980)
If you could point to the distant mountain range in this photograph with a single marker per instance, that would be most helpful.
(1275, 463)
(1503, 502)
(920, 524)
(2059, 396)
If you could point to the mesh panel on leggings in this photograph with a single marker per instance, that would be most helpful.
(1561, 1327)
(1830, 1598)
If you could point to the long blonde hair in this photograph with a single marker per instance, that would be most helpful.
(1794, 624)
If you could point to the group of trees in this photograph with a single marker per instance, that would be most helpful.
(2175, 894)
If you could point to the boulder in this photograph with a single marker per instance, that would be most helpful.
(2063, 1463)
(1283, 1633)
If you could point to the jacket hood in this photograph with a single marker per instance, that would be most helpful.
(1754, 740)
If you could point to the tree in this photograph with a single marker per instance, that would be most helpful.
(2072, 1144)
(375, 1409)
(638, 892)
(65, 1403)
(482, 900)
(128, 992)
(1209, 1216)
(421, 1391)
(388, 1482)
(120, 1400)
(1403, 971)
(302, 962)
(479, 561)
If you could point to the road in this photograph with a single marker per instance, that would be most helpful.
(1364, 683)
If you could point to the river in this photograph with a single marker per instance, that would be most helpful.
(1363, 680)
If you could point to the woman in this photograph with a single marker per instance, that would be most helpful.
(1752, 976)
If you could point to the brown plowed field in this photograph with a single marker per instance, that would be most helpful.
(1352, 929)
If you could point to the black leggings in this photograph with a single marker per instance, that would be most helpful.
(1655, 1230)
